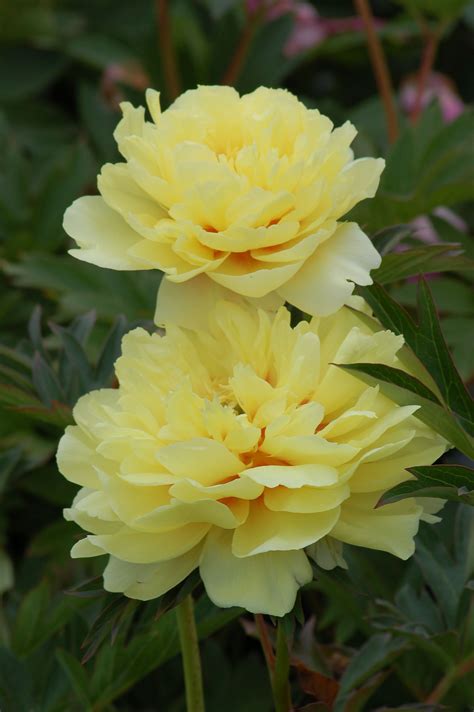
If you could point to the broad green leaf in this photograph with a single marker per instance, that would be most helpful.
(434, 258)
(431, 164)
(451, 482)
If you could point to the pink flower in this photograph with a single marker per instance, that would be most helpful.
(309, 28)
(439, 88)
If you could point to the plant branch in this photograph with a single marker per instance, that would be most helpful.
(234, 69)
(265, 643)
(380, 69)
(170, 67)
(190, 655)
(278, 664)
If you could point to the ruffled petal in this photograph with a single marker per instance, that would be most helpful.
(326, 280)
(266, 583)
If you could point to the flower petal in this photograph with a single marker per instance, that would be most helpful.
(266, 530)
(267, 583)
(325, 281)
(146, 581)
(103, 236)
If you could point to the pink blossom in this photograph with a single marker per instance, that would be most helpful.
(439, 88)
(309, 29)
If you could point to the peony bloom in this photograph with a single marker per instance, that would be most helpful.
(248, 191)
(241, 451)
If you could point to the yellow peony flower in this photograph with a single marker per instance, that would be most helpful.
(246, 190)
(242, 450)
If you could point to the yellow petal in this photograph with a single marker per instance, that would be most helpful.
(103, 236)
(147, 581)
(292, 476)
(266, 530)
(391, 528)
(305, 499)
(202, 459)
(326, 280)
(267, 583)
(146, 548)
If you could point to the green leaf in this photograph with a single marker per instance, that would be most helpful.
(46, 382)
(434, 258)
(100, 121)
(98, 51)
(81, 286)
(439, 576)
(375, 654)
(111, 351)
(76, 675)
(9, 459)
(76, 359)
(6, 572)
(15, 684)
(427, 342)
(34, 70)
(430, 165)
(451, 482)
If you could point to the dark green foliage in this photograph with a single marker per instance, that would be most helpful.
(384, 635)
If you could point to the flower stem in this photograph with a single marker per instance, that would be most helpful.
(380, 69)
(190, 654)
(170, 68)
(281, 684)
(278, 665)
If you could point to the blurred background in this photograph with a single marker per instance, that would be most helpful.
(65, 66)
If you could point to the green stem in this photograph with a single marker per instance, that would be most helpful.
(190, 654)
(280, 682)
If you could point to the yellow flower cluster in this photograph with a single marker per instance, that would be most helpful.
(248, 191)
(242, 449)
